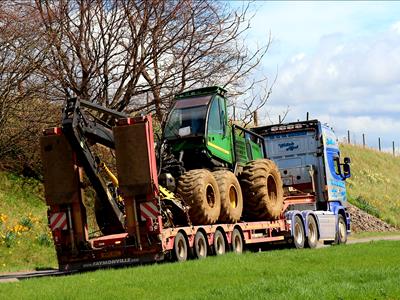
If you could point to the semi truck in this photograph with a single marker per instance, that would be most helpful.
(208, 187)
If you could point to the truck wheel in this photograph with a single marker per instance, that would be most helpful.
(219, 243)
(231, 196)
(341, 234)
(298, 233)
(237, 241)
(312, 238)
(199, 190)
(262, 190)
(200, 245)
(180, 247)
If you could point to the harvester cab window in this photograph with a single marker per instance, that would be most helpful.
(187, 118)
(215, 121)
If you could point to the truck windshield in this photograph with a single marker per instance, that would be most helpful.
(186, 121)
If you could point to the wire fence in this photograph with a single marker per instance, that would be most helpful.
(352, 140)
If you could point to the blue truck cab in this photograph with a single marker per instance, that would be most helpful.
(308, 156)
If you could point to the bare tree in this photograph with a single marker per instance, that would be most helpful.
(135, 55)
(21, 111)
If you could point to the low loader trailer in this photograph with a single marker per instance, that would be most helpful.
(145, 216)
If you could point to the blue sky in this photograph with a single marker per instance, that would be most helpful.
(340, 61)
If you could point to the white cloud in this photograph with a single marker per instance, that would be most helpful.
(340, 61)
(396, 27)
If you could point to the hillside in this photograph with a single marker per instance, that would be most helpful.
(374, 185)
(25, 241)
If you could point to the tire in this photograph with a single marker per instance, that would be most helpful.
(199, 190)
(298, 233)
(341, 234)
(237, 241)
(219, 246)
(262, 190)
(180, 250)
(312, 238)
(200, 245)
(231, 196)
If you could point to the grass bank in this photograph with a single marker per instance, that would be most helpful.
(360, 271)
(25, 241)
(374, 185)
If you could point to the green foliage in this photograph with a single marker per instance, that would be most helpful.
(360, 271)
(27, 222)
(9, 238)
(45, 239)
(374, 184)
(363, 204)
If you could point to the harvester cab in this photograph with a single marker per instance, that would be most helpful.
(198, 133)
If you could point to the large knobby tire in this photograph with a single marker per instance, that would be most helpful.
(199, 190)
(231, 196)
(262, 190)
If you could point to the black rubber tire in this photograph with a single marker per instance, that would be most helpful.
(237, 241)
(262, 190)
(180, 250)
(312, 238)
(341, 233)
(200, 247)
(231, 196)
(219, 245)
(199, 190)
(298, 233)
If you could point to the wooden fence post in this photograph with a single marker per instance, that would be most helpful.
(394, 153)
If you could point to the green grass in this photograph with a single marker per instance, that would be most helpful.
(25, 241)
(374, 185)
(361, 271)
(367, 234)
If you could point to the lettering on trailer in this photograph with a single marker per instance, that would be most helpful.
(111, 262)
(58, 221)
(148, 210)
(289, 146)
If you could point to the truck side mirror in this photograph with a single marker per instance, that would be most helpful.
(346, 168)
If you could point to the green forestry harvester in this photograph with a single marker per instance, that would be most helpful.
(199, 137)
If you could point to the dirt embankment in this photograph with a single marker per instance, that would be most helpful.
(362, 221)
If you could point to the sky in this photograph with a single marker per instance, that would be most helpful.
(339, 61)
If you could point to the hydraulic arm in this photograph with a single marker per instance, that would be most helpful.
(82, 132)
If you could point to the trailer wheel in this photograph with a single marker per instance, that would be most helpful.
(312, 238)
(231, 196)
(298, 233)
(180, 248)
(200, 245)
(262, 190)
(237, 241)
(199, 190)
(219, 243)
(341, 234)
